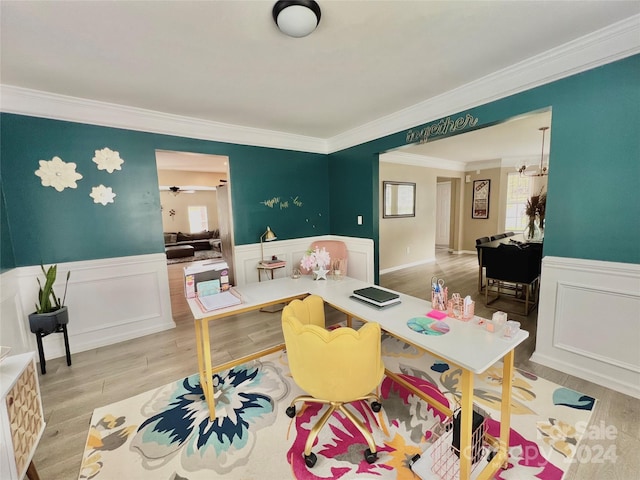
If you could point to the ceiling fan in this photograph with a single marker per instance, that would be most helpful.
(176, 190)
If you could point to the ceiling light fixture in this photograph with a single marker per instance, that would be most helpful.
(296, 18)
(543, 170)
(175, 191)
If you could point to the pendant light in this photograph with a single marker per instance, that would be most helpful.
(543, 169)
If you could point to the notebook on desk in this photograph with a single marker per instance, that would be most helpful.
(376, 296)
(218, 300)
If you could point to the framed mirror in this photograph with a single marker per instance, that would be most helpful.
(398, 199)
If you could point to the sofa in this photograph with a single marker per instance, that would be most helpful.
(179, 244)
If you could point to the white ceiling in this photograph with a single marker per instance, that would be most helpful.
(225, 61)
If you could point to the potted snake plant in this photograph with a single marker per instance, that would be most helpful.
(50, 309)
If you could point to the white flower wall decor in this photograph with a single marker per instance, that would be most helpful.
(102, 194)
(108, 160)
(58, 174)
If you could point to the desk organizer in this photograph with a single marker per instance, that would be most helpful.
(456, 308)
(439, 299)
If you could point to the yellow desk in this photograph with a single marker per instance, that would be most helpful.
(467, 346)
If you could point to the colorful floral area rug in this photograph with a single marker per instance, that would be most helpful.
(166, 434)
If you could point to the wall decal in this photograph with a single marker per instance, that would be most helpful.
(271, 202)
(102, 194)
(443, 127)
(58, 174)
(108, 160)
(275, 201)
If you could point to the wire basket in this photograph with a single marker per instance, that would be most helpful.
(445, 451)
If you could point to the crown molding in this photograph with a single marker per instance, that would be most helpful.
(607, 45)
(401, 158)
(617, 41)
(24, 101)
(422, 161)
(484, 165)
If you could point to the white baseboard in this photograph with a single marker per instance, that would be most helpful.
(109, 300)
(407, 265)
(588, 321)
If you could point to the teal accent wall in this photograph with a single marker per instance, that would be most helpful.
(284, 190)
(592, 204)
(52, 227)
(593, 209)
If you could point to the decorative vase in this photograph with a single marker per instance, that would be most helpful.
(532, 231)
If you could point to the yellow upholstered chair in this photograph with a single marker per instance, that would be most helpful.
(334, 367)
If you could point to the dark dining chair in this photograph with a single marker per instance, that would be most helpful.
(498, 236)
(513, 270)
(480, 241)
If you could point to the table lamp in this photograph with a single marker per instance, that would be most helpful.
(267, 236)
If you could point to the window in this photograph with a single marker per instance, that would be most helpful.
(198, 221)
(518, 192)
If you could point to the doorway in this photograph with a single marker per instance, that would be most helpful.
(190, 185)
(443, 214)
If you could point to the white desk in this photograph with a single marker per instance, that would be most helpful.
(465, 345)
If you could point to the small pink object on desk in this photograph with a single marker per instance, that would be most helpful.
(437, 314)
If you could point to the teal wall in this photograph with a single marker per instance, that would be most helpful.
(592, 204)
(51, 227)
(284, 190)
(592, 213)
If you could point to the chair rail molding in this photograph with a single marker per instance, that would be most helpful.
(110, 300)
(588, 321)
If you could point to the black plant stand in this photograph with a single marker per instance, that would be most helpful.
(40, 334)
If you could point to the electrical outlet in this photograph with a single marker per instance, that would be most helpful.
(408, 250)
(359, 219)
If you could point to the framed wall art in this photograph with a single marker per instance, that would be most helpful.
(399, 199)
(480, 203)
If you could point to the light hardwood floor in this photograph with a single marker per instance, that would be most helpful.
(105, 375)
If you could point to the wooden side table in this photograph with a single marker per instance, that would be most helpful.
(22, 416)
(265, 267)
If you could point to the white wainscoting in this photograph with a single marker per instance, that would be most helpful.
(589, 321)
(12, 318)
(246, 257)
(110, 300)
